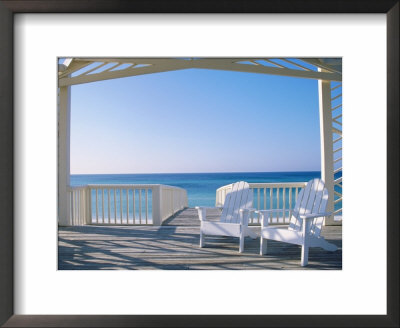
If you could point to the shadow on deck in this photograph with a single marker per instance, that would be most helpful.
(174, 246)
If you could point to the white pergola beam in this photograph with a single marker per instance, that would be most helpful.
(120, 73)
(166, 64)
(73, 67)
(319, 64)
(247, 68)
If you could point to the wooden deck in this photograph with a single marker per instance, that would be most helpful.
(174, 246)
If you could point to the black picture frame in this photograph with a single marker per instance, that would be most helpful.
(10, 7)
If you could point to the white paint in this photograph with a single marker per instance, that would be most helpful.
(41, 289)
(64, 123)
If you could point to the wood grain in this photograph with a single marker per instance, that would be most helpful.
(174, 246)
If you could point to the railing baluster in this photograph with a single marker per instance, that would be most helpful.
(258, 198)
(127, 206)
(90, 206)
(278, 206)
(102, 205)
(140, 206)
(120, 203)
(74, 207)
(115, 206)
(71, 203)
(284, 203)
(172, 202)
(81, 206)
(290, 202)
(270, 203)
(109, 205)
(134, 207)
(97, 207)
(265, 198)
(76, 204)
(147, 207)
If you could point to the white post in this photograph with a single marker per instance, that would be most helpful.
(88, 197)
(156, 205)
(325, 118)
(64, 122)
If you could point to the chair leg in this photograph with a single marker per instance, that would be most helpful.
(304, 255)
(263, 246)
(241, 243)
(201, 239)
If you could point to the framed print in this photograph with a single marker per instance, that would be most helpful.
(50, 273)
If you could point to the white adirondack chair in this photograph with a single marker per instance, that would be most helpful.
(310, 207)
(234, 217)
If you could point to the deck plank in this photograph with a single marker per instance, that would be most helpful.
(174, 246)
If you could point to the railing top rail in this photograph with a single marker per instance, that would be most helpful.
(124, 186)
(270, 185)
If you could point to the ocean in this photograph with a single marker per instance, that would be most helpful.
(200, 187)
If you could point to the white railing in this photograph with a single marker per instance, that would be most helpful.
(78, 205)
(268, 196)
(173, 199)
(125, 204)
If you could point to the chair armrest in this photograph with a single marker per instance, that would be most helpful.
(248, 209)
(314, 215)
(272, 210)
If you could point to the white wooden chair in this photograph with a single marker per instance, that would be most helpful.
(310, 207)
(234, 217)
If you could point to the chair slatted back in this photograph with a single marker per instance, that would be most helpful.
(313, 198)
(240, 197)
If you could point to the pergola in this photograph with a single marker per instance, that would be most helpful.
(328, 72)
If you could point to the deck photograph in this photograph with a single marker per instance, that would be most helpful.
(200, 164)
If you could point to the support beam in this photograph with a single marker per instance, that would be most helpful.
(325, 118)
(164, 65)
(226, 65)
(64, 123)
(73, 67)
(130, 71)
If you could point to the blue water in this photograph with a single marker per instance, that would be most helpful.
(200, 187)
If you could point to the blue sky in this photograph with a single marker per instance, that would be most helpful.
(195, 121)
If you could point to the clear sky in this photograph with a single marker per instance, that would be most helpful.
(195, 120)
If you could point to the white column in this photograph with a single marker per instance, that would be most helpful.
(156, 205)
(64, 125)
(325, 118)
